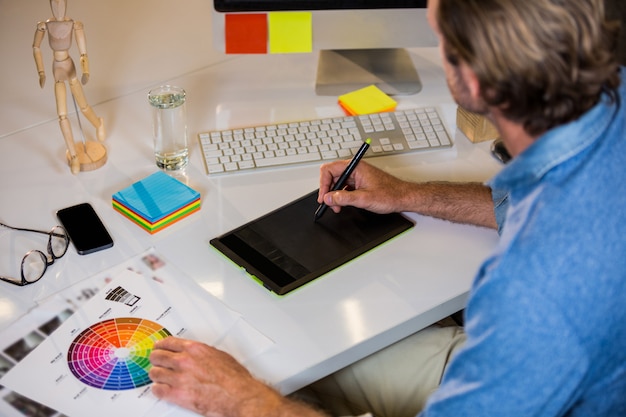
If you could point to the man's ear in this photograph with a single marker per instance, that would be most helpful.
(471, 81)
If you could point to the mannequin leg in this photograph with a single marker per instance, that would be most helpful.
(66, 128)
(79, 95)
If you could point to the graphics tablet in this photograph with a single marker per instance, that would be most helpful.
(286, 248)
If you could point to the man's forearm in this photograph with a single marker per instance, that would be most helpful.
(468, 203)
(271, 403)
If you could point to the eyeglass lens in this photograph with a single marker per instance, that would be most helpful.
(34, 265)
(59, 242)
(35, 262)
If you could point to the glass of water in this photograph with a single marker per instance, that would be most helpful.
(169, 123)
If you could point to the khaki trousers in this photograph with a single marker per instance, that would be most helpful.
(394, 382)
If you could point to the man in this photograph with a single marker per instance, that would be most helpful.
(546, 320)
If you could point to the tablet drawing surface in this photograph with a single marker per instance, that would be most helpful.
(286, 248)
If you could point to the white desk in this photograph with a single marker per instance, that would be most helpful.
(380, 298)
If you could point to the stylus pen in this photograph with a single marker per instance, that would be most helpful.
(345, 175)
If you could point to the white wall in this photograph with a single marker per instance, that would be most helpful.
(132, 45)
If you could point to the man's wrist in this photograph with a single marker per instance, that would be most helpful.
(272, 404)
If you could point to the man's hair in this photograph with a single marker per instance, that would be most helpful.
(542, 62)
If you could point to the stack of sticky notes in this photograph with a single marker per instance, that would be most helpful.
(156, 201)
(367, 100)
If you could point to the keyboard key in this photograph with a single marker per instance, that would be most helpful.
(289, 159)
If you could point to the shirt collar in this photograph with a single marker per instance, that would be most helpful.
(560, 144)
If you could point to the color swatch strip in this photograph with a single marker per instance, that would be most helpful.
(114, 354)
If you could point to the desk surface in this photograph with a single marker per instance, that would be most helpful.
(373, 301)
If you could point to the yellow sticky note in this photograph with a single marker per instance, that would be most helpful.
(290, 32)
(367, 100)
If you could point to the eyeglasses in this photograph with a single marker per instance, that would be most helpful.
(35, 262)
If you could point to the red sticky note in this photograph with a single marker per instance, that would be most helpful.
(246, 33)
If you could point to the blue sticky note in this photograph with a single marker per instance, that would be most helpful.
(156, 196)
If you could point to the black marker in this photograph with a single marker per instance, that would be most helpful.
(345, 175)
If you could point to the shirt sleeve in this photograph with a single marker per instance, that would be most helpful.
(501, 204)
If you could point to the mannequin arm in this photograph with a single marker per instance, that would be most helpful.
(39, 34)
(82, 48)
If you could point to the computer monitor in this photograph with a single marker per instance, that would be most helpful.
(360, 42)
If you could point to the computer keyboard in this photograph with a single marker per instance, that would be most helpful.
(282, 144)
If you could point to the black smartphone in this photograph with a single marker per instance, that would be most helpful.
(85, 229)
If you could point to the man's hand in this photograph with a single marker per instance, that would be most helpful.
(210, 382)
(368, 188)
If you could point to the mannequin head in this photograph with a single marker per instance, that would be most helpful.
(58, 8)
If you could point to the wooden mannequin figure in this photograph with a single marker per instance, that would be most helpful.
(88, 155)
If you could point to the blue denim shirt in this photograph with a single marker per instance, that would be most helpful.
(546, 317)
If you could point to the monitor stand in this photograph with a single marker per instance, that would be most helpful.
(343, 71)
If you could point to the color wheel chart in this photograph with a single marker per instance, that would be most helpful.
(113, 354)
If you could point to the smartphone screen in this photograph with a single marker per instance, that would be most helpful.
(85, 229)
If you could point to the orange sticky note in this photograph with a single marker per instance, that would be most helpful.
(290, 32)
(367, 100)
(246, 33)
